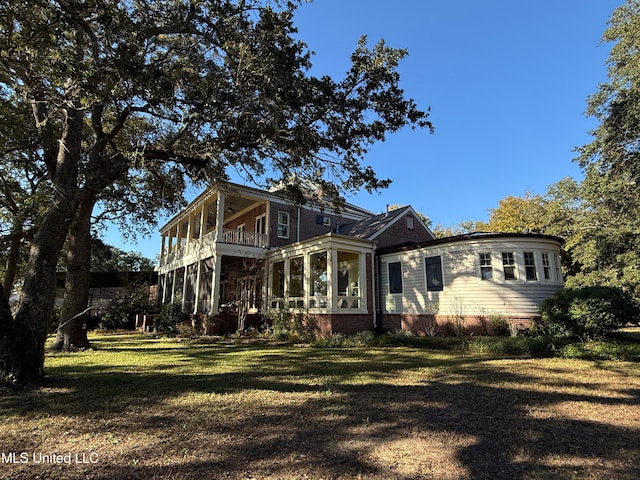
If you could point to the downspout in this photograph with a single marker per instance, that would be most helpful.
(374, 286)
(298, 227)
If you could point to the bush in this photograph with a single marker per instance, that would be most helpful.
(295, 327)
(599, 350)
(170, 317)
(589, 313)
(539, 347)
(366, 338)
(499, 325)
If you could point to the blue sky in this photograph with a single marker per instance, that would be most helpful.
(506, 81)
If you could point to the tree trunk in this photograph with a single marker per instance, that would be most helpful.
(23, 355)
(13, 258)
(23, 337)
(72, 331)
(6, 328)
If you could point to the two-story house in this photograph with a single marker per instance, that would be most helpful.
(236, 248)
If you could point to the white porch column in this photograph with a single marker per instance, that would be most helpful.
(169, 241)
(215, 285)
(189, 233)
(178, 237)
(220, 217)
(163, 293)
(172, 293)
(196, 304)
(184, 284)
(203, 220)
(162, 249)
(332, 279)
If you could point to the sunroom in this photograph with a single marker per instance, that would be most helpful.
(327, 276)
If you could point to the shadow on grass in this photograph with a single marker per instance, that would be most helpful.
(266, 411)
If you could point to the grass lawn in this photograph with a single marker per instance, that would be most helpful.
(142, 408)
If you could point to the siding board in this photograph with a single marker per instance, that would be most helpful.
(464, 292)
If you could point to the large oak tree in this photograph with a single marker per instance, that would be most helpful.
(610, 250)
(224, 84)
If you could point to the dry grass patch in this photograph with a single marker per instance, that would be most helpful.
(160, 408)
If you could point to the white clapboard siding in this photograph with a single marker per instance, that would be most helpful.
(465, 293)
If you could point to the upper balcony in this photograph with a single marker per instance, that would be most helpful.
(216, 220)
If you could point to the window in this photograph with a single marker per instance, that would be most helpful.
(546, 266)
(322, 220)
(486, 271)
(410, 222)
(318, 279)
(395, 277)
(261, 224)
(530, 266)
(296, 274)
(348, 280)
(277, 284)
(509, 266)
(283, 225)
(434, 274)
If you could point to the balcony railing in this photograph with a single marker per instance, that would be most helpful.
(233, 237)
(250, 239)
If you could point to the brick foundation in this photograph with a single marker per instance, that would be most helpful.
(444, 325)
(343, 323)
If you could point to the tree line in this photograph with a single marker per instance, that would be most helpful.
(599, 215)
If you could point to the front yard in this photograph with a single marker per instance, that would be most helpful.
(142, 408)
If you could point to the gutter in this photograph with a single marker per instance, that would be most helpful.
(375, 285)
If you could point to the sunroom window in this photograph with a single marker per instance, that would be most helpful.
(348, 280)
(296, 282)
(318, 278)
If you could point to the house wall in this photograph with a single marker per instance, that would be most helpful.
(398, 233)
(309, 228)
(248, 218)
(465, 294)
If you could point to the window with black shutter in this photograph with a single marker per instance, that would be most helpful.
(395, 277)
(434, 274)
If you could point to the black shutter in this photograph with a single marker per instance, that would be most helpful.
(395, 277)
(434, 274)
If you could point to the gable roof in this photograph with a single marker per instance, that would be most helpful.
(373, 226)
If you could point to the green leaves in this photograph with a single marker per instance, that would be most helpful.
(608, 254)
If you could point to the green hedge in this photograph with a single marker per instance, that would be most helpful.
(588, 313)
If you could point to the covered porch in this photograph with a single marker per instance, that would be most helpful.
(216, 217)
(217, 284)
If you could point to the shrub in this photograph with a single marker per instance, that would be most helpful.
(293, 326)
(539, 347)
(499, 325)
(170, 317)
(598, 350)
(587, 313)
(364, 338)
